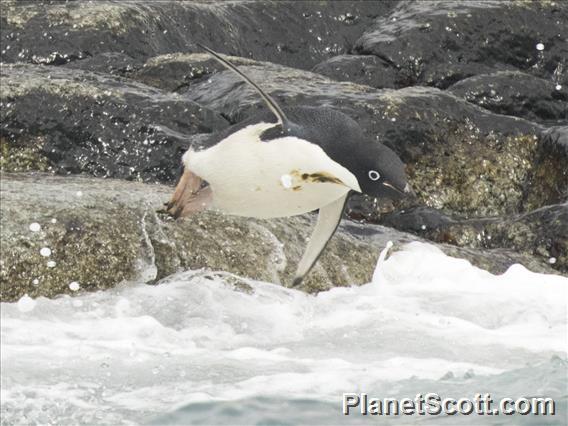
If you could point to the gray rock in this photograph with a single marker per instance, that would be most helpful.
(103, 231)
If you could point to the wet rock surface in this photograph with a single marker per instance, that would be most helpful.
(98, 232)
(439, 43)
(516, 93)
(120, 90)
(55, 33)
(99, 124)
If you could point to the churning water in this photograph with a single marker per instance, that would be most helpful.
(208, 348)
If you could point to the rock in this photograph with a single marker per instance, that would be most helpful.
(440, 43)
(178, 71)
(516, 93)
(361, 69)
(100, 232)
(56, 33)
(547, 182)
(114, 63)
(541, 234)
(379, 72)
(77, 121)
(23, 154)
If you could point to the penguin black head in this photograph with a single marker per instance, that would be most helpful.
(381, 173)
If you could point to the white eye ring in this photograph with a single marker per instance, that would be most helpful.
(374, 175)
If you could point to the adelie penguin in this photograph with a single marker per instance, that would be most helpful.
(284, 163)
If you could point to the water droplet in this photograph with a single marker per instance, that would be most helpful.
(26, 303)
(79, 193)
(552, 260)
(286, 181)
(558, 87)
(45, 252)
(35, 227)
(35, 281)
(540, 46)
(51, 264)
(74, 286)
(53, 220)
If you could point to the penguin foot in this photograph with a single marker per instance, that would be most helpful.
(189, 197)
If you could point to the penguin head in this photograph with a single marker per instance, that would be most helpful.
(381, 174)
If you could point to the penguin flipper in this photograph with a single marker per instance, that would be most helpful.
(328, 220)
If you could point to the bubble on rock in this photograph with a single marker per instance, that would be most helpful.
(552, 260)
(286, 181)
(558, 87)
(26, 303)
(53, 220)
(51, 264)
(45, 251)
(423, 227)
(540, 46)
(74, 286)
(35, 227)
(35, 281)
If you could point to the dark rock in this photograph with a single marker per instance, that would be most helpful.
(361, 69)
(542, 233)
(103, 231)
(440, 43)
(56, 33)
(178, 71)
(98, 124)
(114, 63)
(516, 93)
(379, 72)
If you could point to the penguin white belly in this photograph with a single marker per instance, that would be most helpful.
(280, 177)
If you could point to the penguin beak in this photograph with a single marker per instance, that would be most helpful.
(406, 191)
(190, 196)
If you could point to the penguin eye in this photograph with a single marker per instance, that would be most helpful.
(374, 175)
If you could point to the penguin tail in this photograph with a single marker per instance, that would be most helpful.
(191, 195)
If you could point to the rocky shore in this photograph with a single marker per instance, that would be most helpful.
(102, 98)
